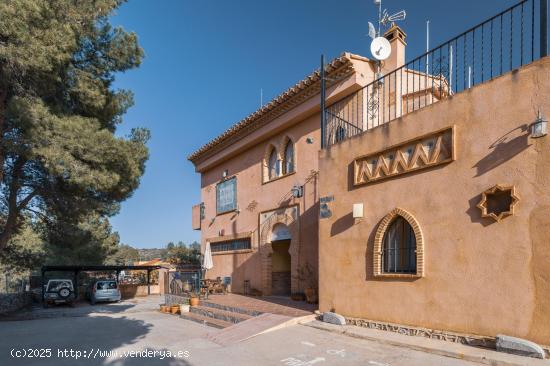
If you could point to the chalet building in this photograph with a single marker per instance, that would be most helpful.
(420, 199)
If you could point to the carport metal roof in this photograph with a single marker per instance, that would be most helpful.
(98, 268)
(80, 268)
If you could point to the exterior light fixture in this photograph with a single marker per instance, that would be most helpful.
(539, 128)
(357, 210)
(309, 140)
(225, 173)
(297, 191)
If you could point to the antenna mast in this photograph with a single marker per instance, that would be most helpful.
(379, 3)
(427, 45)
(384, 19)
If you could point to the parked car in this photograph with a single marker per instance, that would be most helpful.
(59, 291)
(104, 290)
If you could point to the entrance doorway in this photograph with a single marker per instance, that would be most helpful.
(280, 261)
(280, 276)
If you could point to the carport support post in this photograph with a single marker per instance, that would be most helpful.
(148, 282)
(42, 284)
(76, 284)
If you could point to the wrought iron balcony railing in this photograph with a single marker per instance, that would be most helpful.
(508, 40)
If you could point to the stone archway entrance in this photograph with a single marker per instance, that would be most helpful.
(279, 242)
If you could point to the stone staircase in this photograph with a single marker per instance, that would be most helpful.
(217, 315)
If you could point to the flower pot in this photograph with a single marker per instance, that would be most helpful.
(311, 295)
(174, 309)
(194, 301)
(184, 308)
(164, 308)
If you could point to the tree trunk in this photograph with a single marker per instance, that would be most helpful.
(14, 209)
(2, 111)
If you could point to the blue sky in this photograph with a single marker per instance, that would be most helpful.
(206, 62)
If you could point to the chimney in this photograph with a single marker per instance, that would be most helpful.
(397, 38)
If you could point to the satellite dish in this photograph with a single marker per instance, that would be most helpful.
(380, 48)
(372, 31)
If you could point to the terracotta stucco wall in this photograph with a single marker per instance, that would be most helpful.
(481, 277)
(255, 197)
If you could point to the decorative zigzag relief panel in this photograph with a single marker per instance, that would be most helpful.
(423, 152)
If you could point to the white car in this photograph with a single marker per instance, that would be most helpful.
(59, 291)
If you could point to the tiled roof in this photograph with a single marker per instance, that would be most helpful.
(337, 68)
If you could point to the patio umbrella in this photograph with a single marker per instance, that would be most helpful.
(207, 260)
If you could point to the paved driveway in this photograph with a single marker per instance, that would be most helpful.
(129, 334)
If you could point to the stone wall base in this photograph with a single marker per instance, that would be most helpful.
(468, 339)
(13, 302)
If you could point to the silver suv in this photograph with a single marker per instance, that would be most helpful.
(58, 292)
(104, 290)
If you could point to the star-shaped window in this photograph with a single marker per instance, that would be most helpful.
(498, 202)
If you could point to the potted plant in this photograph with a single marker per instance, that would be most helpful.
(174, 308)
(305, 274)
(194, 300)
(164, 308)
(184, 307)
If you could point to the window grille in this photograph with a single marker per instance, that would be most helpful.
(399, 248)
(230, 245)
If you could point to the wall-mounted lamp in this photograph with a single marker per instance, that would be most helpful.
(539, 128)
(309, 140)
(225, 173)
(297, 191)
(357, 211)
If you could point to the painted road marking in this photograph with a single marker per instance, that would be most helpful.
(378, 363)
(336, 352)
(291, 361)
(305, 343)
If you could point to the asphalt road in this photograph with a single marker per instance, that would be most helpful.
(130, 336)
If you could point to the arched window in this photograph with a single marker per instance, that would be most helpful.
(288, 166)
(399, 248)
(273, 165)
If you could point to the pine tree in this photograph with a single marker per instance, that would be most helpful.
(60, 158)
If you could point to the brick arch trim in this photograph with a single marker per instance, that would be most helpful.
(379, 242)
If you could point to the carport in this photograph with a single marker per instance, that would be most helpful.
(75, 270)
